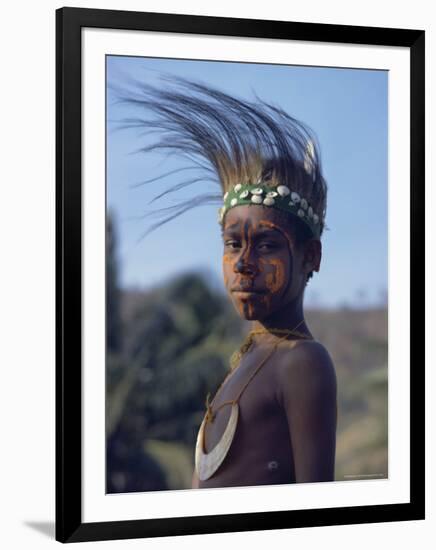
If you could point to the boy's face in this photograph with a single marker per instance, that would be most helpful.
(263, 268)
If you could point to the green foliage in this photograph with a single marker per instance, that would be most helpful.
(113, 323)
(178, 341)
(175, 461)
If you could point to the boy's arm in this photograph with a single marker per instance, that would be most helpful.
(307, 391)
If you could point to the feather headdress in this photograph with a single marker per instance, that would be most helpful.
(233, 141)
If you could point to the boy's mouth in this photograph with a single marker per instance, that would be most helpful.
(247, 290)
(246, 286)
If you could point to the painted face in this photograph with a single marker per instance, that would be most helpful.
(262, 266)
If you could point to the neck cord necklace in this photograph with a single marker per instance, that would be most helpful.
(207, 464)
(248, 342)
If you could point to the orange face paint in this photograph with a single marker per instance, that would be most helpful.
(257, 262)
(226, 261)
(275, 279)
(271, 225)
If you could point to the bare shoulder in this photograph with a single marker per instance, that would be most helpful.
(305, 369)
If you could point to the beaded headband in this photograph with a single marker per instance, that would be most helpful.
(280, 197)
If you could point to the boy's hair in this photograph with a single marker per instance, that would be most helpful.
(231, 140)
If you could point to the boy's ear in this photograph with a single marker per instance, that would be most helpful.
(313, 255)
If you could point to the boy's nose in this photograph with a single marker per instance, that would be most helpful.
(245, 265)
(242, 267)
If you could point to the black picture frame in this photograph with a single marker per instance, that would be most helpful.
(69, 524)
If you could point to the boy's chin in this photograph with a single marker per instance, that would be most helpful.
(249, 312)
(249, 317)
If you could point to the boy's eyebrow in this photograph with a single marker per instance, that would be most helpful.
(260, 232)
(231, 234)
(232, 226)
(231, 229)
(273, 227)
(269, 227)
(264, 229)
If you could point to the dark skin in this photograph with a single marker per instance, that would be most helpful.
(286, 431)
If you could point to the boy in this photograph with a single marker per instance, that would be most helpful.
(273, 419)
(284, 409)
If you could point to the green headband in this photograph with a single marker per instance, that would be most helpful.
(280, 197)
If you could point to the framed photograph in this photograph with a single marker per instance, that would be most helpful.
(239, 274)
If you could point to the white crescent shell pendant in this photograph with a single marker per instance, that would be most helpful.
(206, 464)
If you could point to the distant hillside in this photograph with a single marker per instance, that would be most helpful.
(358, 344)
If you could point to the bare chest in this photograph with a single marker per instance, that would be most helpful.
(253, 388)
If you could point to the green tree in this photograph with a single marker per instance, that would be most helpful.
(113, 321)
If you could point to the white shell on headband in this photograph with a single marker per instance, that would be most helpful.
(309, 157)
(269, 201)
(221, 212)
(267, 197)
(283, 190)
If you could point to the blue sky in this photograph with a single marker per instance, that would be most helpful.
(346, 108)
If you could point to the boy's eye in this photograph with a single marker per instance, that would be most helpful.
(232, 243)
(266, 246)
(263, 246)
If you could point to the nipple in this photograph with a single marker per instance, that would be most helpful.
(273, 465)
